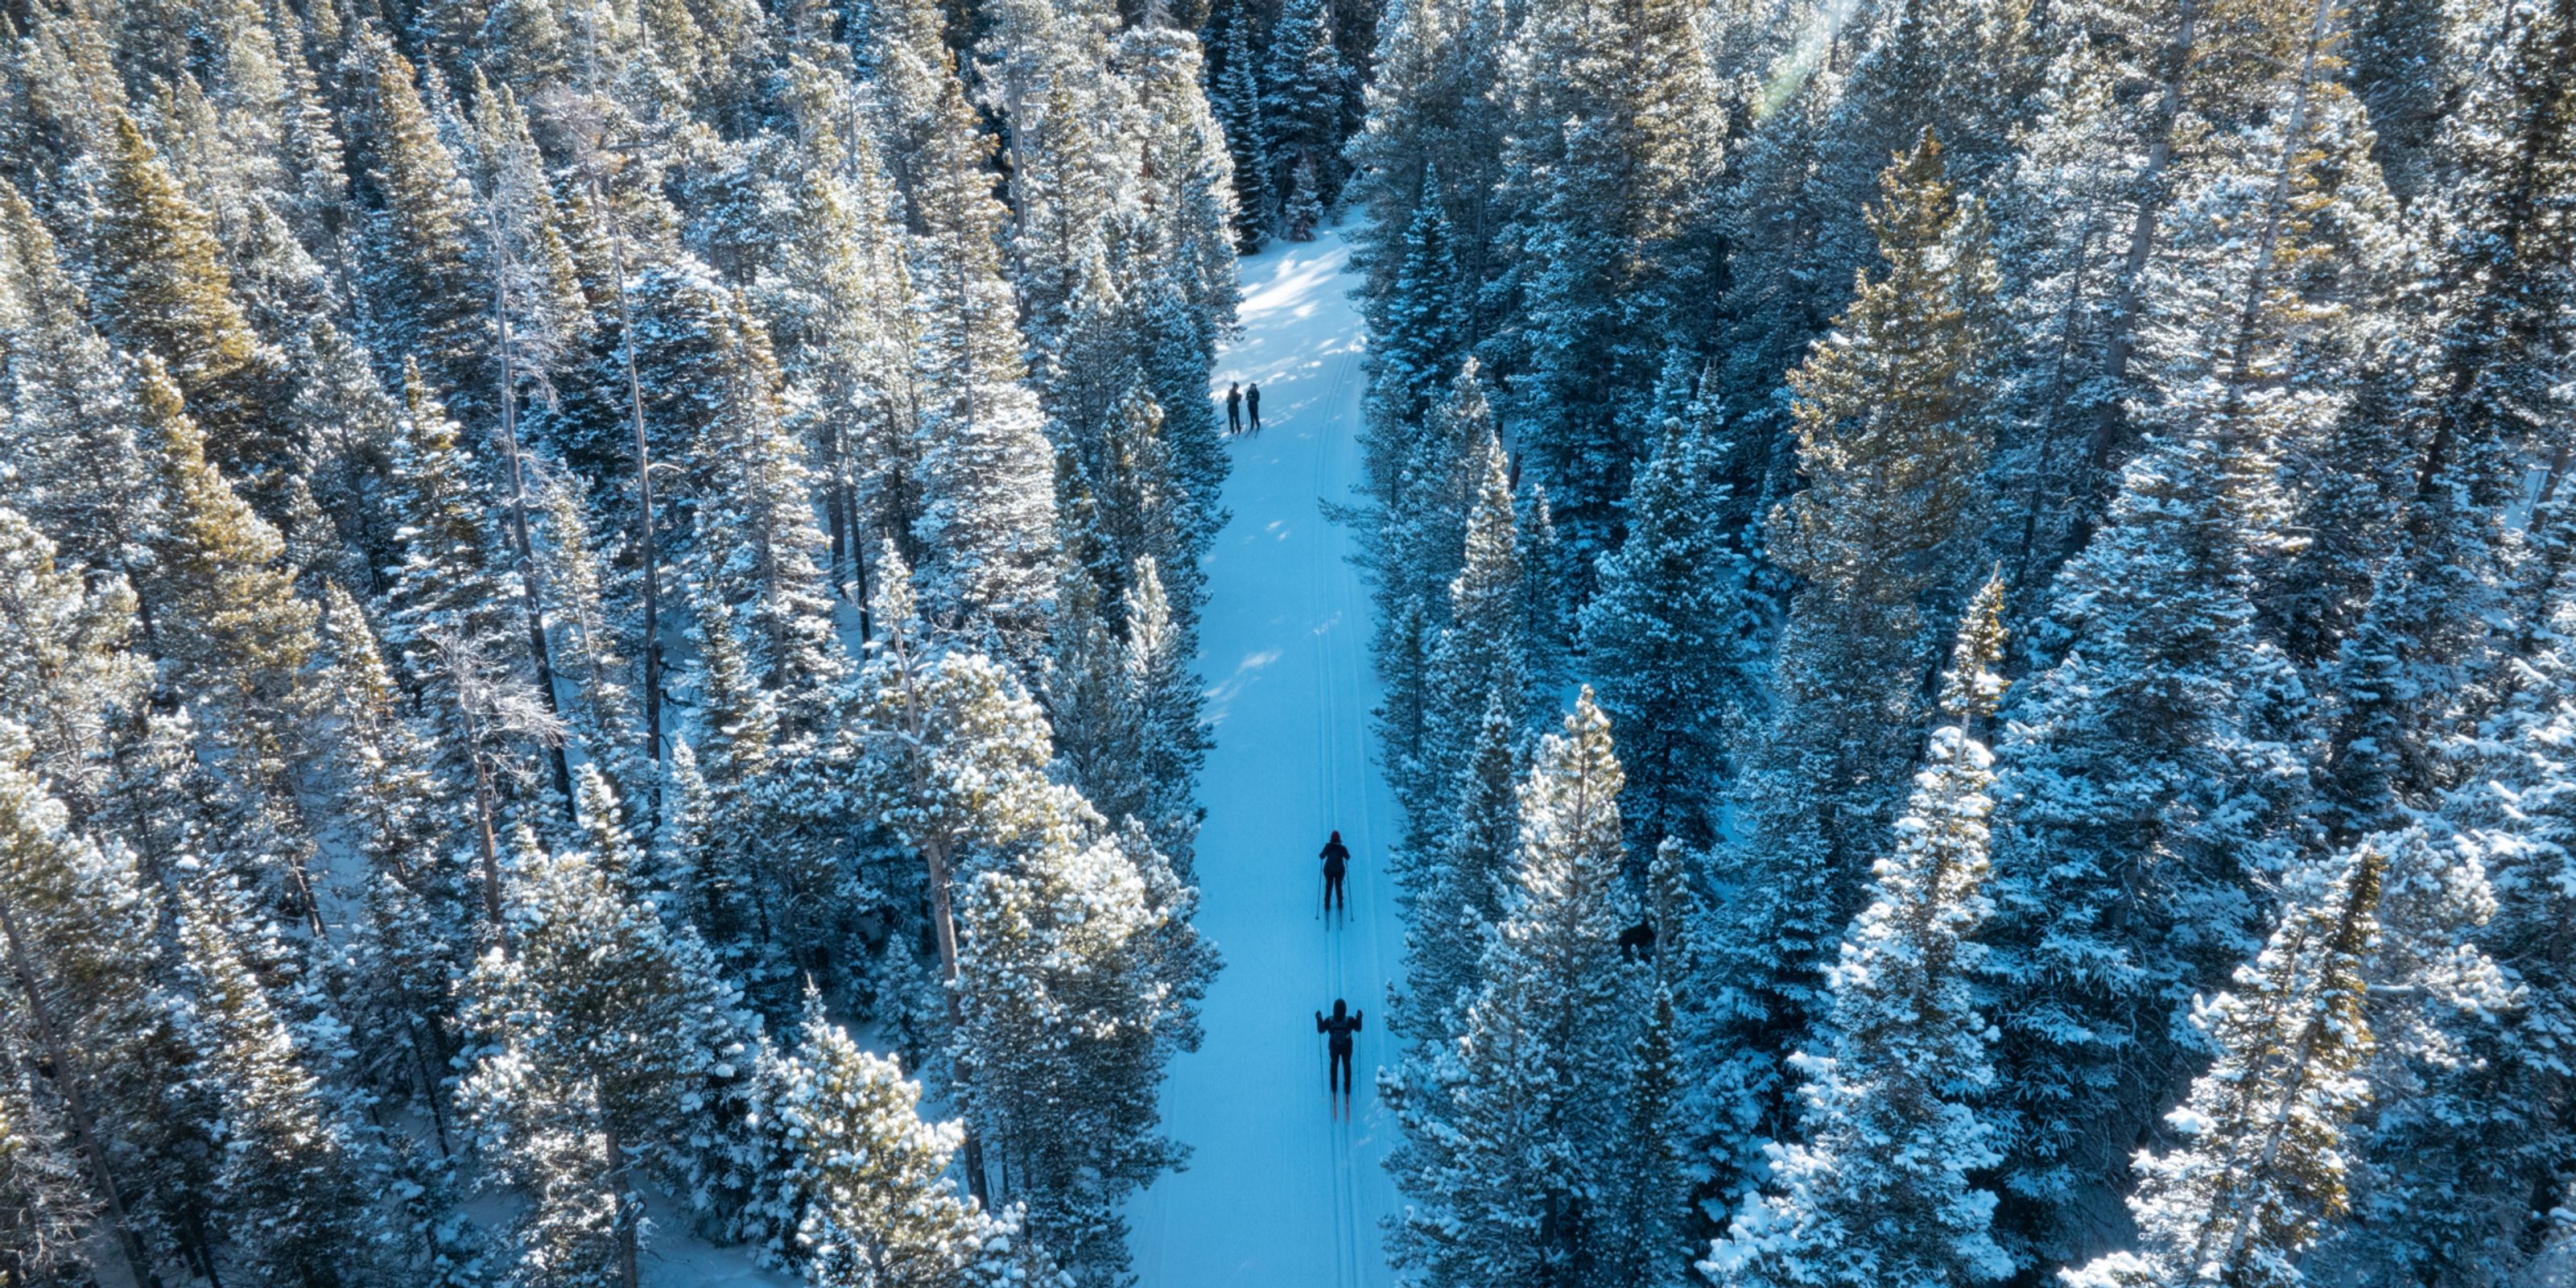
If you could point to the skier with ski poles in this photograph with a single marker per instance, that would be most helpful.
(1337, 859)
(1339, 1029)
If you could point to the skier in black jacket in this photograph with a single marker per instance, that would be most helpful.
(1252, 403)
(1337, 860)
(1234, 409)
(1343, 1024)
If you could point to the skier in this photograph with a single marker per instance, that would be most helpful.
(1337, 860)
(1252, 403)
(1234, 408)
(1340, 1027)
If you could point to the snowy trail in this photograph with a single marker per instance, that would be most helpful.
(1276, 1192)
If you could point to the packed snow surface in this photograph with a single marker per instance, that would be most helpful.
(1276, 1191)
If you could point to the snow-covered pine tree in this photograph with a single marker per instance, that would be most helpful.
(1880, 1192)
(881, 1211)
(1605, 203)
(2258, 1170)
(233, 633)
(158, 286)
(1303, 211)
(1483, 651)
(987, 523)
(51, 1213)
(1301, 105)
(839, 303)
(1235, 97)
(2098, 205)
(295, 1184)
(593, 643)
(605, 1035)
(1461, 884)
(78, 938)
(426, 278)
(2502, 268)
(1078, 977)
(1862, 81)
(1648, 1211)
(948, 754)
(2458, 1180)
(1429, 107)
(1189, 199)
(1511, 1161)
(1670, 636)
(419, 931)
(67, 679)
(1893, 416)
(2147, 767)
(1170, 744)
(78, 471)
(1424, 484)
(447, 549)
(1425, 315)
(757, 538)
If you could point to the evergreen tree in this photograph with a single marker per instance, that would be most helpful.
(1462, 883)
(1604, 203)
(1424, 317)
(880, 1209)
(427, 278)
(1301, 106)
(74, 924)
(605, 1035)
(294, 1183)
(762, 547)
(1881, 1192)
(1234, 94)
(418, 895)
(1893, 425)
(226, 614)
(160, 287)
(67, 680)
(78, 471)
(1078, 978)
(2501, 272)
(986, 517)
(1511, 1162)
(1669, 635)
(1485, 648)
(2258, 1169)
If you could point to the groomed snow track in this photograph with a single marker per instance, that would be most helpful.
(1277, 1192)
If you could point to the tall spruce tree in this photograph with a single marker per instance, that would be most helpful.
(986, 520)
(1894, 414)
(1881, 1190)
(1671, 637)
(1509, 1157)
(2258, 1169)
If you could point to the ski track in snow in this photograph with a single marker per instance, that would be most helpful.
(1276, 1191)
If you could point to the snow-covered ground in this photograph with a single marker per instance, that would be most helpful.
(1276, 1192)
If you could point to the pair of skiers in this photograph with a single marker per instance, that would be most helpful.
(1344, 1021)
(1239, 400)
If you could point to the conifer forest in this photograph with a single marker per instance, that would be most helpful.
(663, 644)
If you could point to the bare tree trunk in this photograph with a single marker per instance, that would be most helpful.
(483, 837)
(943, 919)
(528, 581)
(2121, 341)
(644, 538)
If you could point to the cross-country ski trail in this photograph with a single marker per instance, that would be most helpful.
(1277, 1191)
